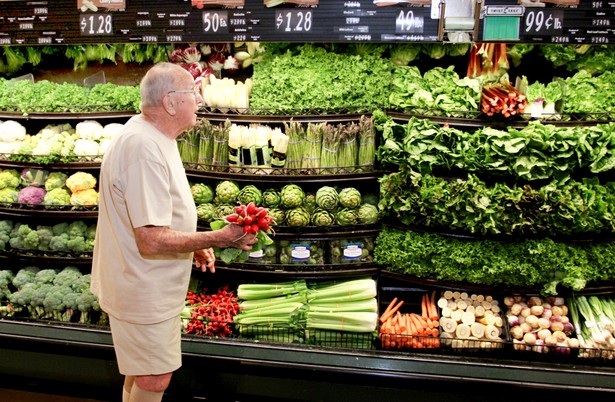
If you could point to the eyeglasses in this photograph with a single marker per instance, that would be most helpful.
(186, 91)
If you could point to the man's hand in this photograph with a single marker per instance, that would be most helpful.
(205, 259)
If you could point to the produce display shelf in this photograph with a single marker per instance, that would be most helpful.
(17, 210)
(297, 271)
(84, 353)
(223, 174)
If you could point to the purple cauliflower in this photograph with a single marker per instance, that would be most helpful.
(31, 195)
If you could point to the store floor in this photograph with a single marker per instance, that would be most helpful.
(11, 395)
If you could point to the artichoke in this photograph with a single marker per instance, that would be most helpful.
(291, 196)
(350, 197)
(250, 193)
(271, 198)
(322, 217)
(309, 202)
(368, 214)
(223, 210)
(206, 212)
(327, 198)
(297, 216)
(278, 215)
(346, 217)
(227, 192)
(202, 193)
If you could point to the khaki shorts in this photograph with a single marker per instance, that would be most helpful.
(146, 349)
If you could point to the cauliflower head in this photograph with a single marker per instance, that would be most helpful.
(80, 181)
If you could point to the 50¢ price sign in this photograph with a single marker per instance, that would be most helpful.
(543, 22)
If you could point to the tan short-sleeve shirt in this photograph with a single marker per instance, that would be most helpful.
(142, 182)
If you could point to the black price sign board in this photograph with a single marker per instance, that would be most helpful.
(43, 22)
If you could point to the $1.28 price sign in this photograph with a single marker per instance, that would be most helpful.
(96, 24)
(543, 22)
(296, 21)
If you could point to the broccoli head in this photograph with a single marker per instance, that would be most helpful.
(69, 276)
(53, 303)
(38, 299)
(59, 228)
(45, 276)
(6, 226)
(23, 297)
(85, 304)
(31, 241)
(59, 242)
(77, 229)
(25, 275)
(45, 233)
(70, 301)
(76, 245)
(6, 279)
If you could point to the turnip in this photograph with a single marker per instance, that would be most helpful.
(544, 323)
(515, 309)
(529, 338)
(536, 310)
(543, 333)
(532, 321)
(517, 332)
(557, 326)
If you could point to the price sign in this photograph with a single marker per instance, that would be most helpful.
(96, 24)
(409, 21)
(293, 20)
(543, 22)
(215, 21)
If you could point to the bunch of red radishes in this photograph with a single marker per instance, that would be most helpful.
(251, 217)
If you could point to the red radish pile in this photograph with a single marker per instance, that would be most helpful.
(210, 314)
(251, 217)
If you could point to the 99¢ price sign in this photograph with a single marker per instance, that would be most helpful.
(96, 24)
(296, 21)
(543, 22)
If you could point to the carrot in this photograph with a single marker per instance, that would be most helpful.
(434, 309)
(417, 323)
(390, 306)
(391, 311)
(424, 307)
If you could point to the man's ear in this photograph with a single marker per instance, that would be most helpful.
(168, 105)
